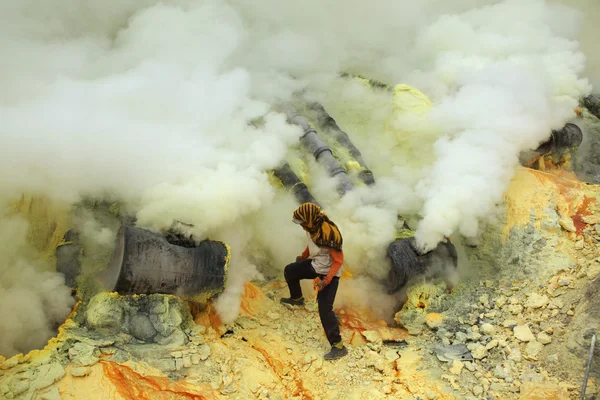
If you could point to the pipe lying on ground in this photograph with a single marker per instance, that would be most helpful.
(321, 152)
(560, 149)
(373, 83)
(67, 257)
(144, 262)
(292, 183)
(407, 263)
(326, 121)
(568, 137)
(592, 103)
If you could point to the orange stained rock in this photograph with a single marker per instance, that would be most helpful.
(275, 364)
(277, 360)
(251, 299)
(581, 212)
(109, 380)
(354, 321)
(135, 386)
(571, 190)
(250, 303)
(531, 192)
(278, 366)
(361, 320)
(208, 317)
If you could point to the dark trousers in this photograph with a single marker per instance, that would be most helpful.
(303, 269)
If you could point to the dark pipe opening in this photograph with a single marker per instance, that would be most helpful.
(144, 262)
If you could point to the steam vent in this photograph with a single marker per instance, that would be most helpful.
(154, 155)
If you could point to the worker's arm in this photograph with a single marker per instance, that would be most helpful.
(304, 255)
(338, 260)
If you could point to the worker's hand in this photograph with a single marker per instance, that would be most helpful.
(320, 285)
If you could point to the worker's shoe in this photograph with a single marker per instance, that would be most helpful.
(293, 302)
(336, 352)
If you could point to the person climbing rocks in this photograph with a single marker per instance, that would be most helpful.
(322, 260)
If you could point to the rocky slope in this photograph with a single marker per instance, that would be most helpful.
(520, 328)
(517, 325)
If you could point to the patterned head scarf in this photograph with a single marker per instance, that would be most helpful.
(321, 229)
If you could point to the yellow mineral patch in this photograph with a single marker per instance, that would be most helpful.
(419, 295)
(542, 391)
(274, 181)
(404, 233)
(531, 192)
(413, 381)
(48, 222)
(299, 167)
(409, 99)
(352, 165)
(407, 129)
(434, 320)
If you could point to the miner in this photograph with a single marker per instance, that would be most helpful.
(322, 261)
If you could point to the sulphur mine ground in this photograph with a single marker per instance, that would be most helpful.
(152, 154)
(526, 330)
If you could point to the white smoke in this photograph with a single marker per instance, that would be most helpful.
(501, 86)
(33, 301)
(168, 105)
(241, 270)
(373, 297)
(136, 101)
(586, 34)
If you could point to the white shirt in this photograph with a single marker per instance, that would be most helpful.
(321, 258)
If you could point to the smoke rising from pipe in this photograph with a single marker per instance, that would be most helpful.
(501, 87)
(167, 106)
